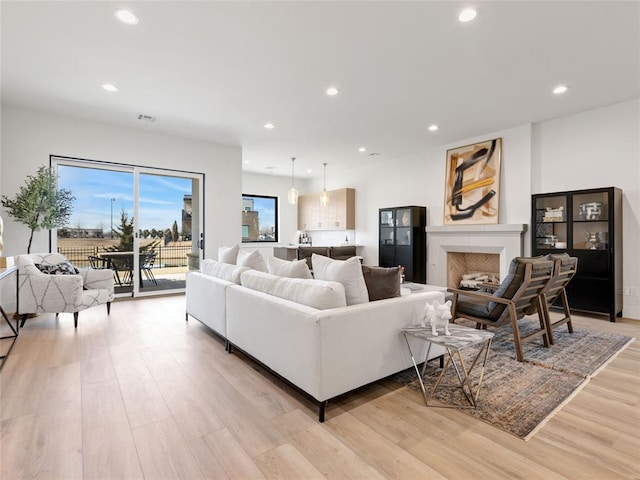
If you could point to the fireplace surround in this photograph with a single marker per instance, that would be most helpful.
(505, 240)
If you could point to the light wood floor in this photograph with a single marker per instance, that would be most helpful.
(144, 394)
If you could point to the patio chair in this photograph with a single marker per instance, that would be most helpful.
(148, 260)
(49, 283)
(519, 293)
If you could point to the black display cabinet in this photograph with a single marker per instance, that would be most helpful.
(586, 224)
(403, 241)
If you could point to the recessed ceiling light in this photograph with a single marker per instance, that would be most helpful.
(269, 126)
(125, 16)
(433, 128)
(309, 170)
(362, 149)
(467, 15)
(332, 91)
(560, 89)
(109, 87)
(246, 161)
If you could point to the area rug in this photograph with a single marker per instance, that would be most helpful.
(519, 397)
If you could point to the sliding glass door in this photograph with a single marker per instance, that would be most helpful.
(142, 223)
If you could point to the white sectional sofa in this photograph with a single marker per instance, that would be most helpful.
(303, 330)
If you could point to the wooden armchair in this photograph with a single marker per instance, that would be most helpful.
(564, 268)
(519, 293)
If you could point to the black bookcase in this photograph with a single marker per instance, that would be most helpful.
(403, 241)
(587, 224)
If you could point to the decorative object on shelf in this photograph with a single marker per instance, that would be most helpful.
(472, 183)
(553, 214)
(592, 240)
(39, 203)
(324, 196)
(590, 211)
(292, 195)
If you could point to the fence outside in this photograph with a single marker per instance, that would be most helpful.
(166, 256)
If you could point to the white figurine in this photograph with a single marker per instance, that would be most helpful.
(437, 312)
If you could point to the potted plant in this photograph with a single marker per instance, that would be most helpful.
(39, 204)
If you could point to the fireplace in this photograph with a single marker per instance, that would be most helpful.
(504, 241)
(467, 270)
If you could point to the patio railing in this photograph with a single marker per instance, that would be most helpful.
(166, 256)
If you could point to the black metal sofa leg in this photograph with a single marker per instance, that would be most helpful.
(75, 319)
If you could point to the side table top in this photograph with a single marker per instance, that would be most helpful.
(460, 337)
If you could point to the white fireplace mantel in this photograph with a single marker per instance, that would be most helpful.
(506, 240)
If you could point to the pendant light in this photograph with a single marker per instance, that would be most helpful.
(324, 196)
(292, 195)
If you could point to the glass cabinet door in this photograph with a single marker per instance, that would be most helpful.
(403, 226)
(387, 222)
(590, 221)
(551, 222)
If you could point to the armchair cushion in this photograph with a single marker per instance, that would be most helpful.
(62, 268)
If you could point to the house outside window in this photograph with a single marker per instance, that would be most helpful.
(259, 218)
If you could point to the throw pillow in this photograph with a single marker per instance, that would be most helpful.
(312, 293)
(291, 269)
(62, 268)
(347, 272)
(223, 271)
(228, 254)
(253, 260)
(382, 282)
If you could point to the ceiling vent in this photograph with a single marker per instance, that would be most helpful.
(146, 118)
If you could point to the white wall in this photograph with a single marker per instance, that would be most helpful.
(29, 137)
(419, 180)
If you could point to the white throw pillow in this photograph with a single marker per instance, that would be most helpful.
(312, 293)
(253, 260)
(347, 272)
(228, 254)
(286, 268)
(223, 271)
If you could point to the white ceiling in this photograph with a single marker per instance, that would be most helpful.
(218, 71)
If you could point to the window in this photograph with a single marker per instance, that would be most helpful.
(259, 218)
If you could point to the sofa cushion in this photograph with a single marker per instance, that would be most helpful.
(223, 271)
(286, 268)
(347, 272)
(253, 260)
(228, 254)
(382, 282)
(312, 293)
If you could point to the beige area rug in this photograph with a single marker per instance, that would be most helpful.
(519, 397)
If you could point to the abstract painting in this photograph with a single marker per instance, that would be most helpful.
(472, 183)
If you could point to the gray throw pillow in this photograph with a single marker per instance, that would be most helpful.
(382, 282)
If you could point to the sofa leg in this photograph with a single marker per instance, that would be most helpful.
(186, 317)
(24, 319)
(228, 347)
(75, 319)
(441, 361)
(108, 308)
(321, 409)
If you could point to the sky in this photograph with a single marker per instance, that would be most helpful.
(267, 208)
(161, 197)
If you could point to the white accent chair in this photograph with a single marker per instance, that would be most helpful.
(40, 292)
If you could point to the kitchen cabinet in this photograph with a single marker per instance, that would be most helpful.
(586, 224)
(403, 241)
(339, 214)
